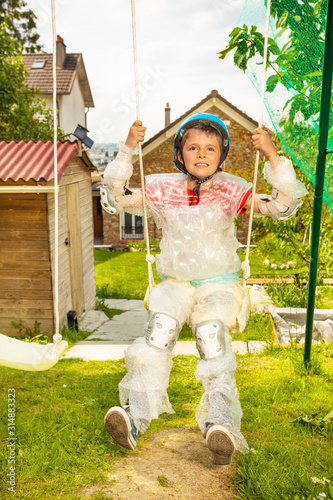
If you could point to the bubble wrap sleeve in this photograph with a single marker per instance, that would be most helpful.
(117, 175)
(120, 170)
(281, 175)
(132, 204)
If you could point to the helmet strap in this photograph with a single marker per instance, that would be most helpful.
(198, 184)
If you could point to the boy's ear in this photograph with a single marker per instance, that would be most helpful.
(180, 158)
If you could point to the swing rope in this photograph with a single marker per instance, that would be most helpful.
(33, 356)
(149, 258)
(56, 337)
(246, 263)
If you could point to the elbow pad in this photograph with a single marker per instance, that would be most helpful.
(108, 200)
(278, 206)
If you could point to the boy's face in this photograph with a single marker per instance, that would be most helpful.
(201, 153)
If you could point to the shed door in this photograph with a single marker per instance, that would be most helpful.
(75, 247)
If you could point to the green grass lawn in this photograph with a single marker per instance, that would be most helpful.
(62, 446)
(125, 274)
(122, 275)
(274, 392)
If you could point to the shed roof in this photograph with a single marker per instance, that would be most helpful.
(34, 160)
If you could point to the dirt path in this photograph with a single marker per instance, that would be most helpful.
(173, 464)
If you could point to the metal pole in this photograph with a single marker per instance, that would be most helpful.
(320, 176)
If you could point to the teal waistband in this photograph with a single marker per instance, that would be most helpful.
(221, 279)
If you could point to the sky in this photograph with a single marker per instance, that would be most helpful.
(177, 45)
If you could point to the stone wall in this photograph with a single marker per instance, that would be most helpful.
(111, 230)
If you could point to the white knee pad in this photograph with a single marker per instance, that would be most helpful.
(162, 331)
(210, 339)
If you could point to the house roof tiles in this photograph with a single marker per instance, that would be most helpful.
(34, 160)
(43, 77)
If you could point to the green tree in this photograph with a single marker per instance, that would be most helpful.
(295, 233)
(20, 23)
(294, 60)
(23, 115)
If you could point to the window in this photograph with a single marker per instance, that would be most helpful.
(132, 227)
(38, 65)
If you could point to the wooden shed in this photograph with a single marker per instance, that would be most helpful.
(27, 237)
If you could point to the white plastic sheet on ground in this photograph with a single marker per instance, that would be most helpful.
(290, 324)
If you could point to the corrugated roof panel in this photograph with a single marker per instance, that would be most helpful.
(34, 160)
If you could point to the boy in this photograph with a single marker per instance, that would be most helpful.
(200, 272)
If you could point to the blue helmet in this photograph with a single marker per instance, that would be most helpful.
(190, 122)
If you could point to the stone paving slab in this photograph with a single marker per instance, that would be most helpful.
(91, 320)
(256, 346)
(138, 318)
(125, 305)
(116, 337)
(126, 324)
(122, 328)
(102, 350)
(259, 299)
(239, 347)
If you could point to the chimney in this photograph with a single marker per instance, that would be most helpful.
(167, 111)
(60, 52)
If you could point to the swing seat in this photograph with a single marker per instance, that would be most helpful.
(29, 355)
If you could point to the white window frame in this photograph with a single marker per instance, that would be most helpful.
(127, 236)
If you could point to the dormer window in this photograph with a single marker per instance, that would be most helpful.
(38, 65)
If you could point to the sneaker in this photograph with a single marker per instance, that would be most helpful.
(120, 425)
(221, 443)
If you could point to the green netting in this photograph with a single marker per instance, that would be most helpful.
(294, 75)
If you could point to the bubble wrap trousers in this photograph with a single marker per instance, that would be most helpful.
(145, 385)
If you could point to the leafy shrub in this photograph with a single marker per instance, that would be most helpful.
(292, 295)
(140, 245)
(103, 291)
(28, 334)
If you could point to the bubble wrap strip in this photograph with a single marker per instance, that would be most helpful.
(121, 168)
(144, 386)
(220, 404)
